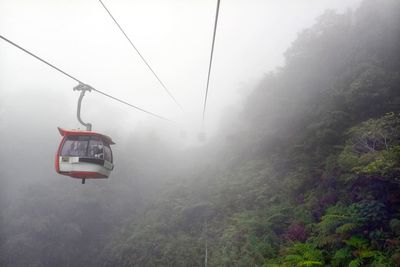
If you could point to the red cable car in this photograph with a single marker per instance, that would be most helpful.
(84, 155)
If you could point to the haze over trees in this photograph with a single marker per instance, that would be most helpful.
(307, 173)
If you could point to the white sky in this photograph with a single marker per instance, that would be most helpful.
(79, 37)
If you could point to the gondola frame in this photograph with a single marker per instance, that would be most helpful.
(83, 167)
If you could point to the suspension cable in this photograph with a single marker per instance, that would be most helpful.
(211, 59)
(141, 56)
(77, 80)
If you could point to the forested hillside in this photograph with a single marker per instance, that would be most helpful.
(309, 172)
(305, 173)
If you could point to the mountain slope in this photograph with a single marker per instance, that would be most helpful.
(309, 175)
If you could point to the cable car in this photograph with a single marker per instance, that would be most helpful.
(84, 155)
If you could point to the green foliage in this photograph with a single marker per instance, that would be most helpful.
(316, 161)
(303, 254)
(347, 228)
(356, 263)
(357, 241)
(363, 253)
(395, 226)
(371, 212)
(341, 257)
(247, 240)
(338, 221)
(373, 149)
(382, 260)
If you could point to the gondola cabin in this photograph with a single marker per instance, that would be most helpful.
(84, 155)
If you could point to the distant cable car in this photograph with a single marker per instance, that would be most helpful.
(84, 154)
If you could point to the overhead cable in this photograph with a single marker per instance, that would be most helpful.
(79, 81)
(144, 60)
(211, 59)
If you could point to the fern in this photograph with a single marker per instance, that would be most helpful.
(338, 220)
(328, 240)
(356, 263)
(382, 260)
(293, 258)
(347, 228)
(304, 254)
(357, 241)
(309, 263)
(340, 257)
(366, 253)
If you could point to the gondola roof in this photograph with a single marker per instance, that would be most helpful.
(105, 138)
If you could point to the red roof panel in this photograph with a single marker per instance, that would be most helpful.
(105, 138)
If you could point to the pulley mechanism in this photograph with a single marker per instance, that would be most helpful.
(83, 88)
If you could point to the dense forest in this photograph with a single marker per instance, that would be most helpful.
(306, 173)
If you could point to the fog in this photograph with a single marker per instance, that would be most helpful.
(150, 155)
(175, 38)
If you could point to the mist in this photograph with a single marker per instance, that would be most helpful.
(293, 84)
